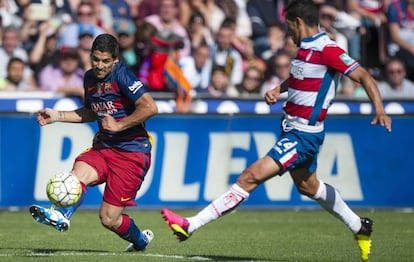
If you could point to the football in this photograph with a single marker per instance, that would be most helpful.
(64, 189)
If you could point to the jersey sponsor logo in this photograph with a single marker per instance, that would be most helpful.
(102, 108)
(346, 59)
(135, 87)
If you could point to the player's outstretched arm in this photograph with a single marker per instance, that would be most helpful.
(48, 116)
(361, 76)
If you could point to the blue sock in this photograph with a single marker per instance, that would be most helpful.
(69, 211)
(135, 236)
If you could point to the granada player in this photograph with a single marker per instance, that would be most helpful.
(311, 88)
(121, 151)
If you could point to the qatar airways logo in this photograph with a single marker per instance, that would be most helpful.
(135, 87)
(103, 108)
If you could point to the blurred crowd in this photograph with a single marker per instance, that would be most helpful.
(218, 48)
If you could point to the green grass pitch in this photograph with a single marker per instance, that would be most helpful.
(246, 235)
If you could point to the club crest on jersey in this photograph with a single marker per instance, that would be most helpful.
(103, 88)
(297, 72)
(346, 59)
(135, 87)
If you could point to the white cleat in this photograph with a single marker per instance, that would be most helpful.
(149, 236)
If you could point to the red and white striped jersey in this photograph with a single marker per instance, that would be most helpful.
(314, 75)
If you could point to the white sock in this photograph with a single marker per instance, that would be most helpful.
(328, 197)
(219, 207)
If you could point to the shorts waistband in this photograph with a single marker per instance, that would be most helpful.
(289, 125)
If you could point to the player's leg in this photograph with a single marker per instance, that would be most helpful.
(59, 217)
(260, 171)
(330, 199)
(113, 218)
(327, 196)
(126, 174)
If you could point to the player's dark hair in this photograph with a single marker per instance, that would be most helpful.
(307, 10)
(106, 43)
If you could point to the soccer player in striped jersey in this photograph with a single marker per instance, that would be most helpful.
(311, 87)
(121, 151)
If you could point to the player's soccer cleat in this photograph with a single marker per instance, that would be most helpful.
(363, 238)
(179, 225)
(51, 217)
(148, 238)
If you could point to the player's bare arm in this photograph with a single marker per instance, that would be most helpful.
(361, 76)
(272, 95)
(49, 116)
(145, 108)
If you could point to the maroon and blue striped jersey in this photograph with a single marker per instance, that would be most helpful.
(115, 95)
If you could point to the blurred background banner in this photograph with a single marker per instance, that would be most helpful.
(30, 102)
(196, 157)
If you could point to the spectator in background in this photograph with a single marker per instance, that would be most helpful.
(274, 42)
(396, 85)
(15, 79)
(65, 77)
(220, 85)
(401, 29)
(143, 48)
(147, 8)
(8, 14)
(199, 32)
(85, 20)
(166, 20)
(86, 37)
(252, 81)
(103, 16)
(56, 13)
(234, 10)
(264, 15)
(45, 49)
(125, 30)
(197, 68)
(373, 19)
(189, 7)
(250, 59)
(327, 14)
(277, 72)
(11, 47)
(225, 55)
(121, 9)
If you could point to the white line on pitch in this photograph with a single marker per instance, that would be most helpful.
(66, 254)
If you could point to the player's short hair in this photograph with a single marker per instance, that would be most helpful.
(305, 9)
(106, 43)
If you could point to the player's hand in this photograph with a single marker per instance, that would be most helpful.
(110, 124)
(383, 120)
(272, 95)
(47, 116)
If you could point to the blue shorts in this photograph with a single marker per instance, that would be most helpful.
(297, 149)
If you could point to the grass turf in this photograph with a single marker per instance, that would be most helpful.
(247, 235)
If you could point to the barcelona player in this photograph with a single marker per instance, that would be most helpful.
(121, 151)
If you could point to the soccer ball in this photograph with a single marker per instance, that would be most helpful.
(64, 189)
